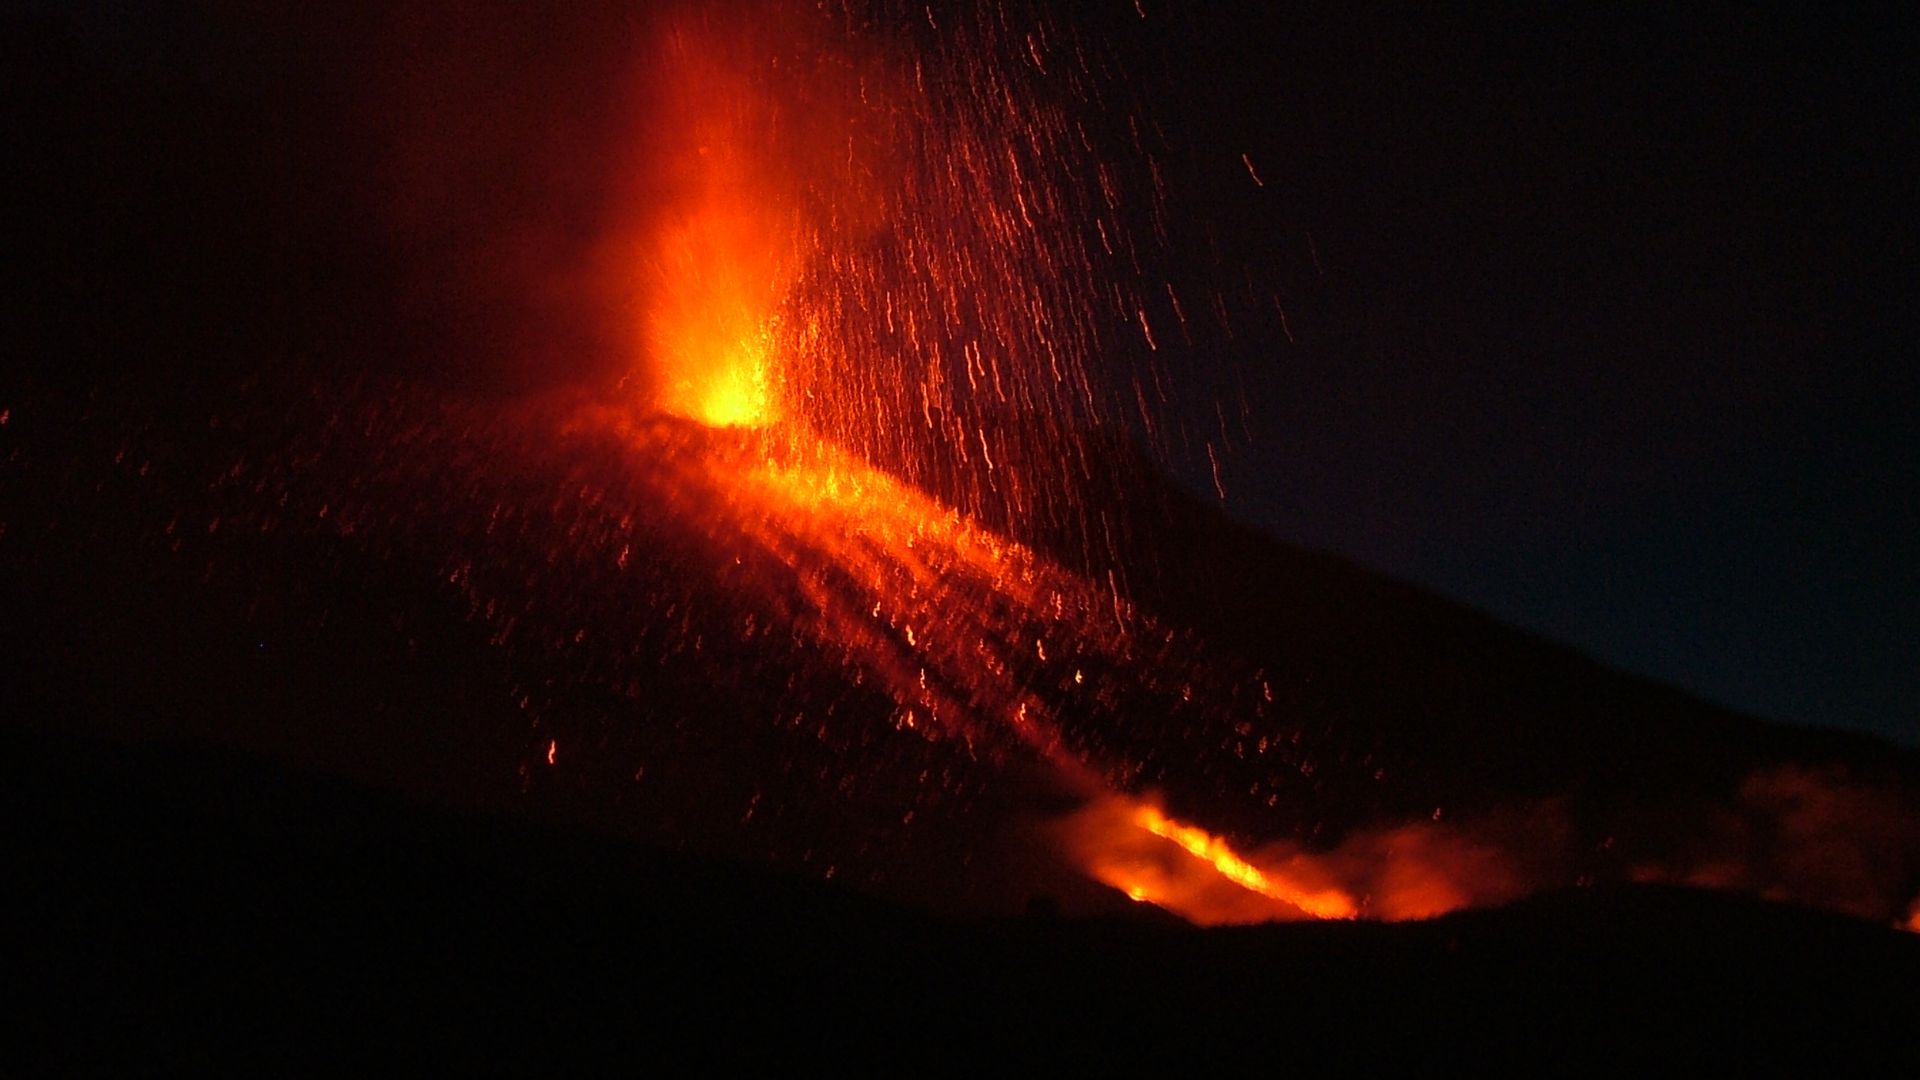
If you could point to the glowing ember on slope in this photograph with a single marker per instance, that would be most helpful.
(1410, 870)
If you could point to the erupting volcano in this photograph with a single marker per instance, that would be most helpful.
(827, 528)
(900, 263)
(880, 264)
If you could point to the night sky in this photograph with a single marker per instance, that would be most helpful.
(1599, 322)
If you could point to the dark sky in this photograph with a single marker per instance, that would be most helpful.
(1601, 321)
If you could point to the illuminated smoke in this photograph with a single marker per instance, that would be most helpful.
(1804, 835)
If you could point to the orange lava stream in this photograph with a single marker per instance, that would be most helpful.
(1320, 903)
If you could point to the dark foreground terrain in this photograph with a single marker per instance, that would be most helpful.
(179, 908)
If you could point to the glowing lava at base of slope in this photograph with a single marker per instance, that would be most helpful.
(1325, 903)
(1132, 845)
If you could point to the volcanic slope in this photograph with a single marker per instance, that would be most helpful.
(711, 640)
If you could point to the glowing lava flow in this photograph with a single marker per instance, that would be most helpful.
(1322, 903)
(973, 636)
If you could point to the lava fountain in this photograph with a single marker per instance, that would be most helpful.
(901, 244)
(722, 255)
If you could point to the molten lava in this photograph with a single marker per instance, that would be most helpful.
(1132, 845)
(1320, 903)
